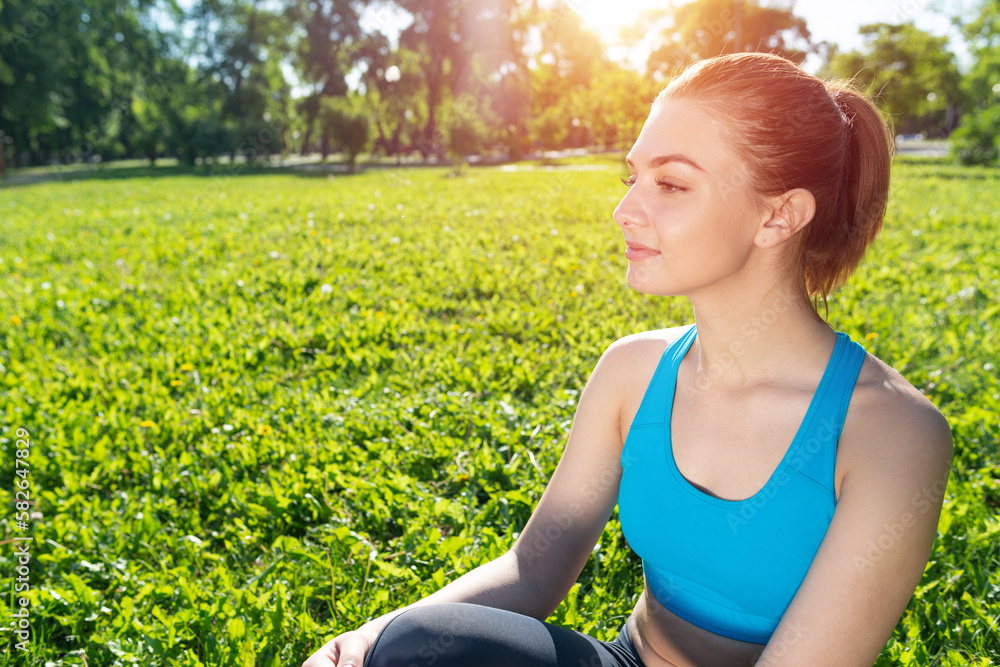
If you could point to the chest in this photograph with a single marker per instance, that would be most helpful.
(729, 444)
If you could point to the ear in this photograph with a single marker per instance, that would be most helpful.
(784, 216)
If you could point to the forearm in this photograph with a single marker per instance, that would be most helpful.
(499, 583)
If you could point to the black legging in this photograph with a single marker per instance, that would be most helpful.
(459, 634)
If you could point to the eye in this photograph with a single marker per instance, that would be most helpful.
(630, 181)
(667, 186)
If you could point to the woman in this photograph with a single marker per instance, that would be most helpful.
(781, 485)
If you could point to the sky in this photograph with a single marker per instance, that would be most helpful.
(827, 20)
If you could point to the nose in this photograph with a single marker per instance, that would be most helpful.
(629, 212)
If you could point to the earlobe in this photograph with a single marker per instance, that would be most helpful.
(789, 213)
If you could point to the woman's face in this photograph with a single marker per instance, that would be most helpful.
(688, 218)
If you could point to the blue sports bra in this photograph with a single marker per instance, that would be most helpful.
(732, 566)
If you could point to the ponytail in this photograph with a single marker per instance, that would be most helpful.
(835, 241)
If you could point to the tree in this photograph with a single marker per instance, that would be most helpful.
(465, 130)
(195, 123)
(346, 123)
(66, 76)
(912, 72)
(393, 91)
(327, 38)
(436, 34)
(615, 116)
(32, 90)
(461, 44)
(982, 33)
(975, 140)
(238, 46)
(562, 70)
(707, 28)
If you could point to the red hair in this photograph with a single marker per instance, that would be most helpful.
(793, 130)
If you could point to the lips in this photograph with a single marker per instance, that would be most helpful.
(637, 246)
(637, 251)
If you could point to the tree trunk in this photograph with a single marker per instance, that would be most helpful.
(430, 129)
(305, 141)
(3, 136)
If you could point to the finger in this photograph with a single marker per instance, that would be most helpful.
(324, 657)
(352, 652)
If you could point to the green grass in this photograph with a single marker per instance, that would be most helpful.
(264, 409)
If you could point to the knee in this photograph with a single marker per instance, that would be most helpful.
(418, 637)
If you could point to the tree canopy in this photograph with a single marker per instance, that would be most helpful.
(249, 79)
(712, 27)
(911, 71)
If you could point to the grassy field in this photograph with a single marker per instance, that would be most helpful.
(260, 410)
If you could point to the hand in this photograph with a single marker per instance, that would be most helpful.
(346, 650)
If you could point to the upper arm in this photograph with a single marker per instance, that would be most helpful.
(877, 546)
(578, 501)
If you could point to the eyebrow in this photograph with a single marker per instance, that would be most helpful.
(661, 160)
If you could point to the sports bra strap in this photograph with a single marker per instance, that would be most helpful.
(816, 456)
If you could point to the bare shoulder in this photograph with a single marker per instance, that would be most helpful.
(891, 424)
(641, 345)
(631, 360)
(628, 366)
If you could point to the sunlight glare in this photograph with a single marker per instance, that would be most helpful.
(608, 18)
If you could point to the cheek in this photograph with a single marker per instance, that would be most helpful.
(741, 227)
(705, 238)
(686, 228)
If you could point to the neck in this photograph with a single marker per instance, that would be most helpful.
(750, 337)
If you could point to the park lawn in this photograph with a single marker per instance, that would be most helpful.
(263, 409)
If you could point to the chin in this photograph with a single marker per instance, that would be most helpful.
(645, 282)
(652, 290)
